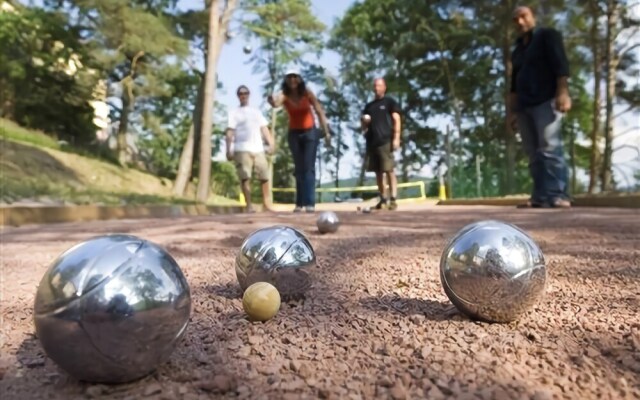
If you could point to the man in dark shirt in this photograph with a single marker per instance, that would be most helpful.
(381, 126)
(539, 99)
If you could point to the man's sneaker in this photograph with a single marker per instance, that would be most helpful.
(297, 209)
(381, 204)
(310, 209)
(561, 203)
(532, 204)
(393, 205)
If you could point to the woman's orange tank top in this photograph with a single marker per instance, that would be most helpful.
(300, 115)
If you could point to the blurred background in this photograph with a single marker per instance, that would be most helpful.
(102, 102)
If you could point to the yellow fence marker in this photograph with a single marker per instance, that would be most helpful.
(442, 191)
(419, 184)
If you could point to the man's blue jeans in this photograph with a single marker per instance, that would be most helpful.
(304, 147)
(540, 129)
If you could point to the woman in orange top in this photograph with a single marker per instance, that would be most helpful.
(299, 101)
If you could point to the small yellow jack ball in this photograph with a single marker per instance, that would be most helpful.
(261, 301)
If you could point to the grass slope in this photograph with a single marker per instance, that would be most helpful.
(35, 168)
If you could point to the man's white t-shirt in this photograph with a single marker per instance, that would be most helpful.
(246, 122)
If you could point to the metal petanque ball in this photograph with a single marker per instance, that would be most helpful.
(492, 271)
(278, 255)
(112, 309)
(247, 49)
(328, 222)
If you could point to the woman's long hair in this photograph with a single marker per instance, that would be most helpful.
(302, 88)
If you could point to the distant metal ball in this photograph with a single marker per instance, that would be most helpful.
(328, 222)
(247, 49)
(278, 255)
(492, 271)
(112, 309)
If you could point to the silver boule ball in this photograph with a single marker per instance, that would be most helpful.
(493, 271)
(328, 222)
(111, 309)
(247, 49)
(278, 255)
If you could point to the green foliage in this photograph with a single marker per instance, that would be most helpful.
(225, 179)
(11, 131)
(286, 29)
(45, 77)
(166, 122)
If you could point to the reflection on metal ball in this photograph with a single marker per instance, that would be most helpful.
(492, 271)
(278, 255)
(247, 49)
(328, 222)
(112, 309)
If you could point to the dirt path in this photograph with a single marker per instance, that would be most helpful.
(376, 322)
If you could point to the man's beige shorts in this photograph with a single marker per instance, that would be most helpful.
(247, 162)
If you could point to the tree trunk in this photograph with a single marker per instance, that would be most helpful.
(216, 37)
(338, 153)
(572, 155)
(447, 148)
(405, 159)
(510, 142)
(612, 19)
(186, 162)
(185, 165)
(271, 159)
(319, 175)
(7, 96)
(363, 165)
(121, 138)
(597, 101)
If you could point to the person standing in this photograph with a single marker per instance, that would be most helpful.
(539, 100)
(299, 101)
(381, 124)
(246, 129)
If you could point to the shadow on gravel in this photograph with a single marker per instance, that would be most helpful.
(431, 309)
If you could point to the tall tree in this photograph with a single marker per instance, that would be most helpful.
(595, 45)
(621, 32)
(194, 28)
(220, 13)
(287, 31)
(134, 41)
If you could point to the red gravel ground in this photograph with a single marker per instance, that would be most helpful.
(376, 323)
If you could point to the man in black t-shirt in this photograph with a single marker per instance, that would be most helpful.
(539, 99)
(381, 125)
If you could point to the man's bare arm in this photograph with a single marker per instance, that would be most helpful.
(229, 139)
(563, 100)
(266, 134)
(397, 125)
(320, 112)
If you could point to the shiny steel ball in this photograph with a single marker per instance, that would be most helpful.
(328, 222)
(112, 309)
(492, 271)
(247, 49)
(279, 255)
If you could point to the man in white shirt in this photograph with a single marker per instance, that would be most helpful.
(245, 133)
